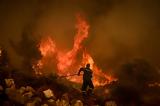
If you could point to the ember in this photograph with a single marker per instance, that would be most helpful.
(0, 52)
(66, 60)
(155, 84)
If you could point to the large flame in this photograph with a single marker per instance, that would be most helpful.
(99, 77)
(65, 61)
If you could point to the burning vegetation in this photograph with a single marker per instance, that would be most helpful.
(137, 84)
(36, 70)
(67, 63)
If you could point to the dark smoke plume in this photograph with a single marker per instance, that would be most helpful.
(120, 30)
(133, 87)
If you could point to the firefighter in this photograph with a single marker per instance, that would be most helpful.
(87, 79)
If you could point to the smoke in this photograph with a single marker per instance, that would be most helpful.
(119, 30)
(133, 87)
(137, 73)
(129, 30)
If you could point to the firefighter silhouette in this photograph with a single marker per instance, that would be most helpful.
(87, 79)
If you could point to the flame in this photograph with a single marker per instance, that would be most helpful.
(99, 77)
(47, 47)
(0, 52)
(65, 61)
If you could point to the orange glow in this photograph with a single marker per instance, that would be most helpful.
(65, 61)
(47, 47)
(0, 52)
(155, 84)
(99, 77)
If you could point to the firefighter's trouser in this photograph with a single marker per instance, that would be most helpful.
(87, 83)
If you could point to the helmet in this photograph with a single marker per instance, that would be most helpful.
(88, 65)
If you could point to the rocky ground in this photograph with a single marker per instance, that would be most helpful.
(53, 94)
(138, 85)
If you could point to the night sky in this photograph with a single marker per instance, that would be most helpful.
(120, 30)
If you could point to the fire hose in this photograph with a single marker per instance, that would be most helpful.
(68, 75)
